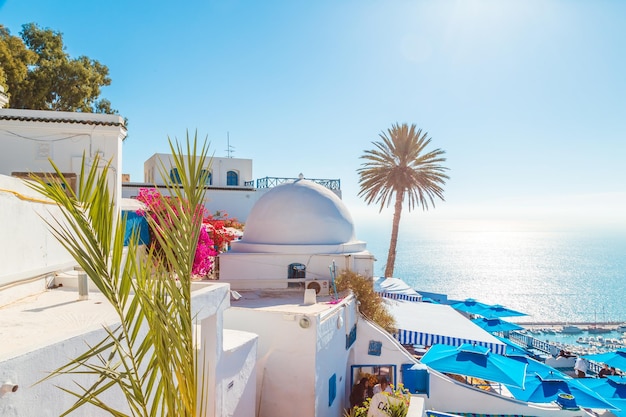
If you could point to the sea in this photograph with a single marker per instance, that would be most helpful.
(561, 276)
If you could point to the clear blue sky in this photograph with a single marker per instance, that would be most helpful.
(527, 98)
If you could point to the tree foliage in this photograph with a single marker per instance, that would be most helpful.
(401, 168)
(38, 74)
(370, 304)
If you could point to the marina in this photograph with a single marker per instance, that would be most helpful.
(583, 342)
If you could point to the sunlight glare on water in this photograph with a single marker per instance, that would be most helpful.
(552, 276)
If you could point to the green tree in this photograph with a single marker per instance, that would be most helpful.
(39, 75)
(400, 168)
(151, 355)
(15, 58)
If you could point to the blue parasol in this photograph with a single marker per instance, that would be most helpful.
(534, 367)
(616, 358)
(495, 325)
(613, 386)
(469, 305)
(475, 361)
(549, 388)
(498, 311)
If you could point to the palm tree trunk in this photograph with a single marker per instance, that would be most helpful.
(391, 256)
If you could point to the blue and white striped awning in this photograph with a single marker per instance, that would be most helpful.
(405, 297)
(407, 337)
(395, 289)
(428, 324)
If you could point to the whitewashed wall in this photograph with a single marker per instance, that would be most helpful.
(236, 202)
(29, 138)
(234, 352)
(27, 248)
(229, 357)
(391, 353)
(217, 166)
(261, 270)
(295, 364)
(237, 375)
(44, 399)
(332, 357)
(286, 381)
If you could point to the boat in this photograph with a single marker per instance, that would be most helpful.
(621, 328)
(594, 328)
(571, 329)
(597, 329)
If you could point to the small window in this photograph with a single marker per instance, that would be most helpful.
(175, 176)
(209, 177)
(53, 177)
(296, 271)
(232, 178)
(332, 389)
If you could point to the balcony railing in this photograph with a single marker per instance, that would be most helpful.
(269, 182)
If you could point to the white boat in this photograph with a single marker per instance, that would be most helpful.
(598, 329)
(571, 329)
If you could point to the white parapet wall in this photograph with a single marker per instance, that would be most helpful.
(28, 250)
(55, 327)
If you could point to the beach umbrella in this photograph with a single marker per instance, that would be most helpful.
(549, 388)
(534, 367)
(616, 358)
(495, 325)
(621, 404)
(613, 386)
(469, 305)
(475, 361)
(498, 311)
(511, 347)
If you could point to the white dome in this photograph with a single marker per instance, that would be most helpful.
(299, 213)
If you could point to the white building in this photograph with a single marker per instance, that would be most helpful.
(221, 172)
(43, 321)
(296, 230)
(230, 185)
(31, 139)
(273, 348)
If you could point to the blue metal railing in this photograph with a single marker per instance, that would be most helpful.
(269, 182)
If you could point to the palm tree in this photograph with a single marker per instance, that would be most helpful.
(400, 166)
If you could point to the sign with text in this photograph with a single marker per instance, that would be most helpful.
(380, 404)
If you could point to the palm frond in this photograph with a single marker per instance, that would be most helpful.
(150, 355)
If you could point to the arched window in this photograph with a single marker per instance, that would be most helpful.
(209, 177)
(175, 176)
(232, 178)
(296, 271)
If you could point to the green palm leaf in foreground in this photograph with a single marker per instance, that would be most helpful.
(150, 355)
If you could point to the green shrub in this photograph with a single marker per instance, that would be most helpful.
(370, 304)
